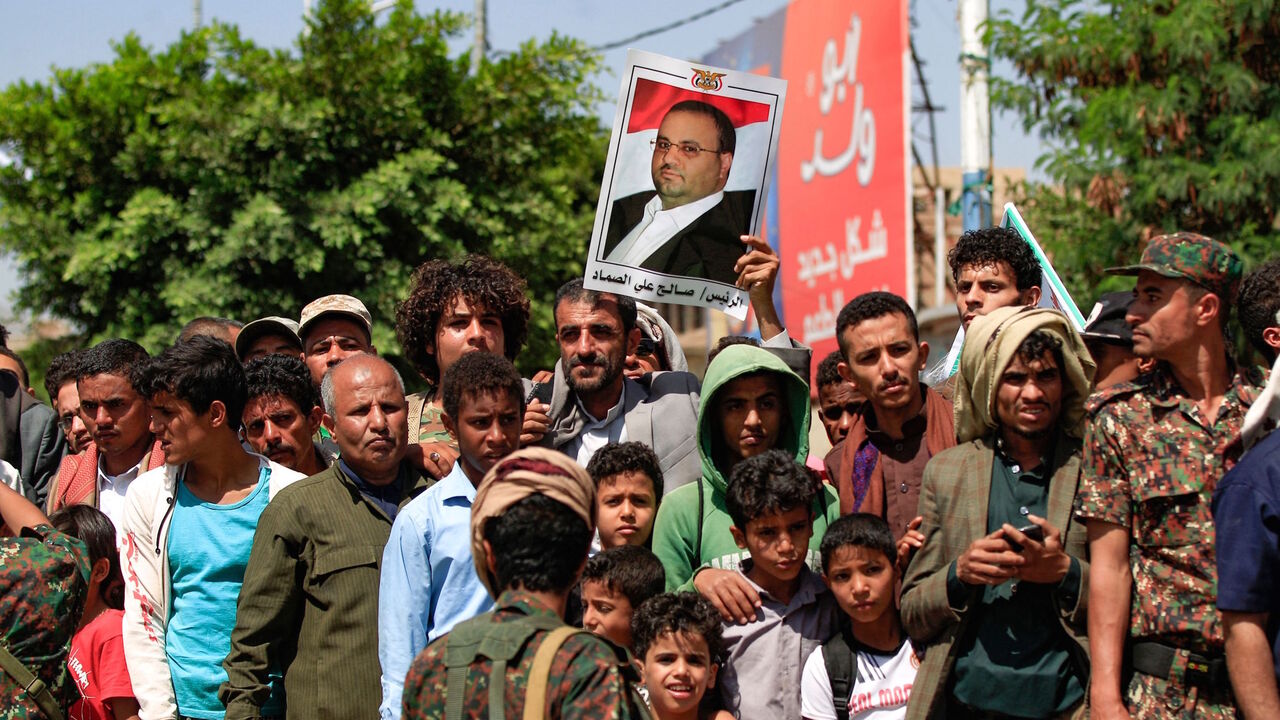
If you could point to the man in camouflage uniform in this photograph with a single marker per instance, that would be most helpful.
(1154, 451)
(540, 493)
(44, 580)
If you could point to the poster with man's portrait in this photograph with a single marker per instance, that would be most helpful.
(686, 176)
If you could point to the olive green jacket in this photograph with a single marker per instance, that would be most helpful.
(309, 603)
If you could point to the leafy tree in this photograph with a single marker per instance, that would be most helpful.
(1159, 116)
(217, 177)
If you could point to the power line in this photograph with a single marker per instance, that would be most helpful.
(665, 28)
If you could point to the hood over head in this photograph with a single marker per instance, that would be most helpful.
(734, 362)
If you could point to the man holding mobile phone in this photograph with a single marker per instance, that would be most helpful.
(1001, 583)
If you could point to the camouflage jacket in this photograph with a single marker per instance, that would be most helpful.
(1151, 461)
(590, 678)
(429, 422)
(44, 581)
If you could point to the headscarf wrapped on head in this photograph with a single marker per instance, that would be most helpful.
(991, 343)
(656, 328)
(525, 472)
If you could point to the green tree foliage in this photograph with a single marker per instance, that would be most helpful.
(215, 177)
(1159, 116)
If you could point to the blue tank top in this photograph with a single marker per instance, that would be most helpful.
(208, 550)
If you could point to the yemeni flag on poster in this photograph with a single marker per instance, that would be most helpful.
(1053, 294)
(669, 219)
(750, 119)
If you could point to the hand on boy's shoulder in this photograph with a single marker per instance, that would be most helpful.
(730, 592)
(434, 458)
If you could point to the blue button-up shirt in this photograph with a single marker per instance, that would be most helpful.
(429, 582)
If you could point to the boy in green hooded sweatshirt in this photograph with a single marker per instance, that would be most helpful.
(751, 402)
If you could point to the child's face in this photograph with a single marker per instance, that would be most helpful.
(778, 542)
(625, 507)
(862, 581)
(606, 613)
(677, 672)
(487, 429)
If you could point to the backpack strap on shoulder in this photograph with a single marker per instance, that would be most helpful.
(499, 643)
(498, 690)
(455, 686)
(837, 654)
(33, 685)
(535, 699)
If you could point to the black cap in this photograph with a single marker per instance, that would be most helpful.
(1106, 320)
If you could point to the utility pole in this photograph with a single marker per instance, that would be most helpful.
(975, 114)
(197, 15)
(482, 41)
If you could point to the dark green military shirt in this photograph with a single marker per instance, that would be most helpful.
(588, 679)
(309, 603)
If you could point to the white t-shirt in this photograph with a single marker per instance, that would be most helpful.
(880, 692)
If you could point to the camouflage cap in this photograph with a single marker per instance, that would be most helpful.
(335, 305)
(270, 325)
(1190, 256)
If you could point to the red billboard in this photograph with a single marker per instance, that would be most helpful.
(843, 167)
(839, 215)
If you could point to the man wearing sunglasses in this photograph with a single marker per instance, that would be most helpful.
(658, 349)
(687, 225)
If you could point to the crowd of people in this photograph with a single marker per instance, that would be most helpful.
(258, 522)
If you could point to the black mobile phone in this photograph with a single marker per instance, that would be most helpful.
(540, 392)
(1032, 531)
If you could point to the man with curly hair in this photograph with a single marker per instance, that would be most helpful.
(282, 415)
(1260, 309)
(993, 268)
(453, 308)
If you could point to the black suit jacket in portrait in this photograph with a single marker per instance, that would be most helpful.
(707, 248)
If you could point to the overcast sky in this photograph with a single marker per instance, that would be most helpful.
(43, 34)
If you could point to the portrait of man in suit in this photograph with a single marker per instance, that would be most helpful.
(687, 225)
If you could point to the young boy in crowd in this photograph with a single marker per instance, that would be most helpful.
(839, 400)
(751, 403)
(869, 666)
(628, 489)
(428, 582)
(679, 644)
(96, 661)
(614, 583)
(770, 499)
